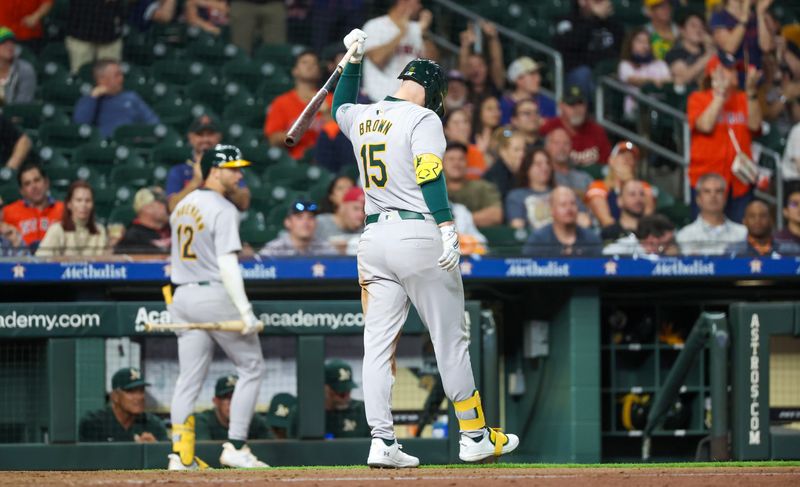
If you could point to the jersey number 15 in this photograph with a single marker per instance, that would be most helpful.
(369, 159)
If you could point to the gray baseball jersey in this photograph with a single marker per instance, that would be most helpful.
(204, 225)
(392, 139)
(399, 145)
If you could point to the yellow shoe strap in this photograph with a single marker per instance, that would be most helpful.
(499, 439)
(473, 403)
(200, 463)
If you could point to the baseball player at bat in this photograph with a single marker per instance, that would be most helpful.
(409, 251)
(205, 269)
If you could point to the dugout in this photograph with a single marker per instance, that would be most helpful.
(545, 341)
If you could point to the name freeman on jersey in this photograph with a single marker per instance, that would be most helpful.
(192, 212)
(380, 125)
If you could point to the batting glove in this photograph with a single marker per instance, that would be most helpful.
(451, 248)
(356, 36)
(251, 324)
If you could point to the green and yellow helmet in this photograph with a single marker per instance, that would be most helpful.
(224, 156)
(431, 76)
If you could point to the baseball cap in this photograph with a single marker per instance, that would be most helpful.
(520, 66)
(6, 34)
(626, 146)
(299, 206)
(353, 194)
(653, 3)
(727, 60)
(339, 376)
(145, 196)
(225, 385)
(202, 123)
(282, 408)
(791, 33)
(574, 95)
(128, 378)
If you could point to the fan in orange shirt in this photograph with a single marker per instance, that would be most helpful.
(24, 17)
(715, 110)
(285, 109)
(33, 214)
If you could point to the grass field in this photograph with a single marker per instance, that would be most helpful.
(766, 474)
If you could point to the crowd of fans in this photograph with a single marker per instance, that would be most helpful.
(514, 157)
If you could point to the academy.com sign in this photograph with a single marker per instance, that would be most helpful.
(49, 322)
(301, 319)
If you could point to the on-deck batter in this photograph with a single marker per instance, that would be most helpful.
(409, 251)
(205, 269)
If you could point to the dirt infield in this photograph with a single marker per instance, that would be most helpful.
(461, 477)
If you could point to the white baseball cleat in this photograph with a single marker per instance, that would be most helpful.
(492, 443)
(382, 456)
(242, 458)
(176, 464)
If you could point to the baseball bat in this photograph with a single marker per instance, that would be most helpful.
(302, 123)
(232, 325)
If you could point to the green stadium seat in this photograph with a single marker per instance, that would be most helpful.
(145, 137)
(629, 12)
(253, 181)
(96, 178)
(596, 171)
(250, 113)
(30, 116)
(273, 87)
(217, 95)
(259, 156)
(141, 50)
(175, 112)
(8, 175)
(51, 70)
(61, 93)
(249, 73)
(67, 136)
(277, 214)
(101, 156)
(289, 174)
(170, 155)
(504, 240)
(52, 157)
(318, 191)
(253, 228)
(159, 172)
(241, 136)
(181, 72)
(281, 196)
(61, 176)
(122, 214)
(152, 92)
(9, 192)
(679, 213)
(55, 52)
(136, 176)
(105, 195)
(278, 155)
(317, 174)
(215, 54)
(280, 54)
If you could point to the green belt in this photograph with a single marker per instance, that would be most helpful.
(403, 214)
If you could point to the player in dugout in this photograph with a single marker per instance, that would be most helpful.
(124, 419)
(213, 424)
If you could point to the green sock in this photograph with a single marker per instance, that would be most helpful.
(388, 442)
(238, 444)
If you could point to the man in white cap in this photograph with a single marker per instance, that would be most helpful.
(525, 75)
(149, 232)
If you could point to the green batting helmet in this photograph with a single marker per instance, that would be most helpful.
(225, 156)
(430, 75)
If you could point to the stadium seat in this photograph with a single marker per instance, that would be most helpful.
(250, 113)
(504, 240)
(280, 54)
(253, 181)
(9, 192)
(289, 174)
(175, 112)
(52, 157)
(140, 49)
(217, 95)
(214, 54)
(242, 137)
(317, 174)
(253, 227)
(136, 176)
(151, 91)
(56, 52)
(159, 174)
(30, 116)
(247, 72)
(101, 156)
(319, 191)
(181, 72)
(123, 214)
(272, 87)
(145, 137)
(277, 214)
(259, 156)
(67, 136)
(62, 93)
(61, 176)
(169, 155)
(51, 70)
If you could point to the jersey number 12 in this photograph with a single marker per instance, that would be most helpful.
(369, 160)
(185, 238)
